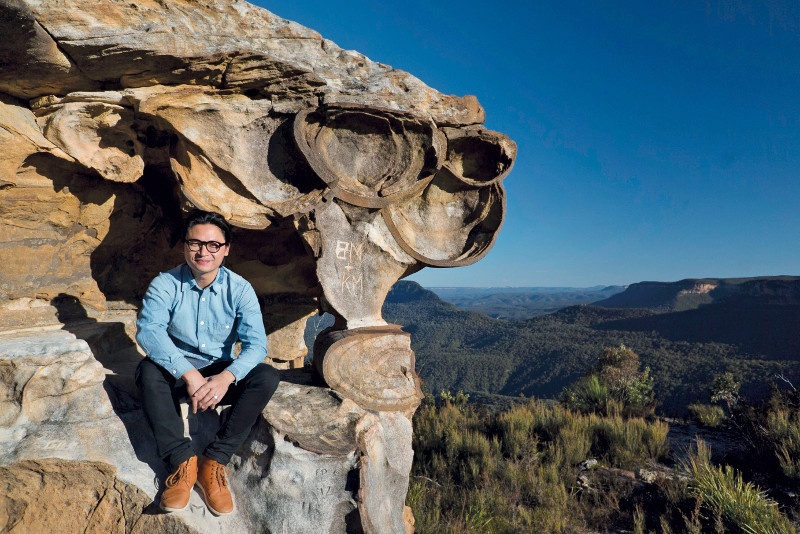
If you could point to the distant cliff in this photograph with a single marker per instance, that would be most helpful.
(691, 293)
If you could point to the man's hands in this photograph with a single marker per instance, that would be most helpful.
(206, 392)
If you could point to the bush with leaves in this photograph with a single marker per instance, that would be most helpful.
(614, 384)
(774, 427)
(725, 388)
(738, 505)
(589, 395)
(515, 471)
(708, 415)
(459, 400)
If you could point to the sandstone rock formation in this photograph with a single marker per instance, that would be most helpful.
(36, 495)
(341, 175)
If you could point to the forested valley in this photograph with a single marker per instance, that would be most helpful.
(496, 361)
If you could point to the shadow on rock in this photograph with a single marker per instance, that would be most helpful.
(117, 353)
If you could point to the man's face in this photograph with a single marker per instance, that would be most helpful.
(202, 262)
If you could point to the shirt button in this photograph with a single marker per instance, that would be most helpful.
(203, 345)
(202, 322)
(174, 371)
(203, 299)
(226, 326)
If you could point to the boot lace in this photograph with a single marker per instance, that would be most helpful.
(178, 475)
(219, 472)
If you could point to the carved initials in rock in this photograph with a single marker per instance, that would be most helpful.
(400, 197)
(352, 278)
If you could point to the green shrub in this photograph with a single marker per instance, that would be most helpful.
(588, 395)
(628, 442)
(566, 437)
(740, 506)
(613, 385)
(458, 400)
(774, 426)
(707, 415)
(516, 471)
(783, 434)
(725, 388)
(639, 396)
(516, 429)
(574, 439)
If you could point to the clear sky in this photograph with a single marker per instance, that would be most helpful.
(657, 140)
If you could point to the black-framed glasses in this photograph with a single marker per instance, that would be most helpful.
(195, 245)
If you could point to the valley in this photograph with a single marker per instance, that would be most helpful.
(750, 327)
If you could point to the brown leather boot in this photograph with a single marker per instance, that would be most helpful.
(213, 484)
(178, 486)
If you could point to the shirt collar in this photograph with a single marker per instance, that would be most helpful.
(188, 282)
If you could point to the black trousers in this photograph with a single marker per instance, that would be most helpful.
(161, 398)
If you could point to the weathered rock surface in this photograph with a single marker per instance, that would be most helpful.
(225, 45)
(383, 359)
(55, 380)
(55, 404)
(297, 472)
(61, 496)
(341, 176)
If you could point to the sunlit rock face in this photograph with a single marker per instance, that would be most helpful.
(37, 495)
(341, 176)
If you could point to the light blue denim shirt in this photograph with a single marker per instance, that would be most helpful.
(183, 327)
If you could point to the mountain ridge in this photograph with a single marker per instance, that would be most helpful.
(520, 303)
(753, 332)
(691, 293)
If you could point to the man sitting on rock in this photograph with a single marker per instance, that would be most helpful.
(190, 319)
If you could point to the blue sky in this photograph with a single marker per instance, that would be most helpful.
(657, 140)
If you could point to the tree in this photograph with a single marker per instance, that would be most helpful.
(459, 400)
(725, 388)
(615, 375)
(617, 368)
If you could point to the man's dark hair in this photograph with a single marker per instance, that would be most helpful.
(207, 217)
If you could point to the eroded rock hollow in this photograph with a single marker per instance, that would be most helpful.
(341, 176)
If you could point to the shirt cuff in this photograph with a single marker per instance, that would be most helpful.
(238, 370)
(179, 367)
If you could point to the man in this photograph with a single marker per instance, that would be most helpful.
(190, 319)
